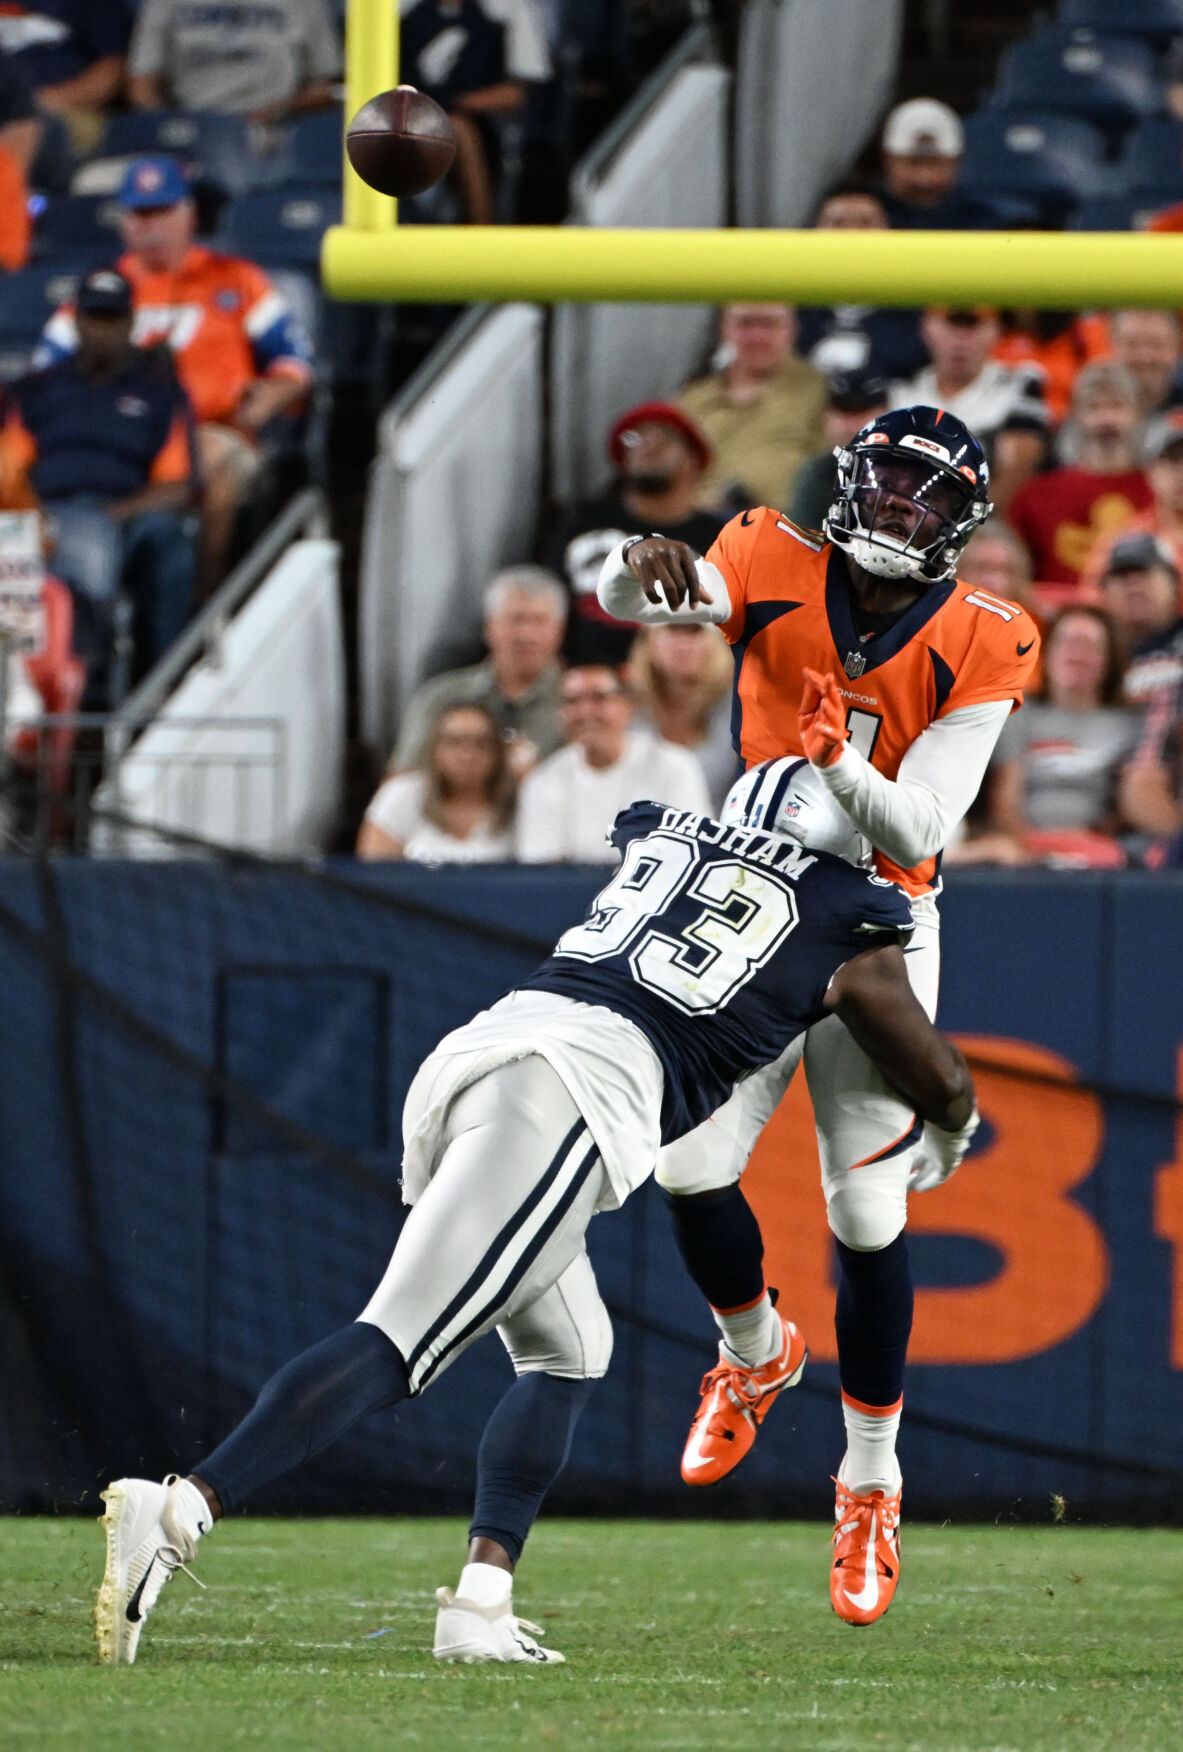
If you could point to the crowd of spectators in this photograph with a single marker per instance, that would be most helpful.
(141, 529)
(1081, 416)
(163, 393)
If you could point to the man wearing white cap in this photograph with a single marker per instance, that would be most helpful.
(923, 144)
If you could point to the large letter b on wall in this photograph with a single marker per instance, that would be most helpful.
(1045, 1134)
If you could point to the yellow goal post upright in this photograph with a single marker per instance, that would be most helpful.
(368, 257)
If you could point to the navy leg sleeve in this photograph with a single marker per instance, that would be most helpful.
(873, 1321)
(523, 1450)
(311, 1401)
(721, 1245)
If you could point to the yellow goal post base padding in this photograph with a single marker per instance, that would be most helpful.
(456, 264)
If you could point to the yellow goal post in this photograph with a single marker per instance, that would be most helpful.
(369, 257)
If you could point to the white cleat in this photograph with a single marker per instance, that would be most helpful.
(146, 1546)
(465, 1631)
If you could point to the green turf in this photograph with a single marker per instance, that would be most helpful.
(677, 1636)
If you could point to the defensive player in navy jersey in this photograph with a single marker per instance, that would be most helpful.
(714, 945)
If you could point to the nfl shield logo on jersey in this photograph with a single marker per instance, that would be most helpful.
(855, 664)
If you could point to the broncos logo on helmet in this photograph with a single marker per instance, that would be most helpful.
(913, 486)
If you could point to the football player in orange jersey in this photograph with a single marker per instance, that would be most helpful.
(858, 649)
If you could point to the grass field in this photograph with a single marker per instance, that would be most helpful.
(316, 1635)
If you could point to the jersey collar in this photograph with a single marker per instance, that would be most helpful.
(858, 658)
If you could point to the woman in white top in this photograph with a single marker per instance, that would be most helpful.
(458, 809)
(681, 679)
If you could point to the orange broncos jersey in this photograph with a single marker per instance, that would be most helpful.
(792, 609)
(223, 319)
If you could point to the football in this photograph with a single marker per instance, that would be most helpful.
(401, 142)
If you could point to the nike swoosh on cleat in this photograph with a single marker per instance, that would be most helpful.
(1023, 649)
(695, 1461)
(868, 1594)
(133, 1605)
(746, 518)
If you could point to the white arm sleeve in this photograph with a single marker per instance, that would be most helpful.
(911, 817)
(619, 593)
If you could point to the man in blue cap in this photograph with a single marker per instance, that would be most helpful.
(104, 441)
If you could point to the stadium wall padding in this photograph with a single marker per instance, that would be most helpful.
(201, 1076)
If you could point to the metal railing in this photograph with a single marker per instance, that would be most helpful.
(696, 44)
(305, 515)
(186, 785)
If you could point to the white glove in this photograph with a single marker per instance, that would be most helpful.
(941, 1154)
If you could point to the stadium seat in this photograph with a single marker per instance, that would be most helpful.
(213, 149)
(78, 226)
(1054, 160)
(1011, 212)
(280, 227)
(1129, 212)
(27, 301)
(1156, 20)
(312, 151)
(1111, 80)
(1153, 155)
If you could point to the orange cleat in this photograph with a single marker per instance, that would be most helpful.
(735, 1402)
(866, 1564)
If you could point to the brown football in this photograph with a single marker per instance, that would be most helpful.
(401, 142)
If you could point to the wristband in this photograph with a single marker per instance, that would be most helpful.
(654, 535)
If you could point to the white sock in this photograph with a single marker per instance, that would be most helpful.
(484, 1584)
(751, 1336)
(869, 1462)
(190, 1509)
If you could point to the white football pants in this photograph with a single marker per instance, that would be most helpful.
(867, 1137)
(498, 1236)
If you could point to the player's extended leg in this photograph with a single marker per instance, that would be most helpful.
(867, 1139)
(560, 1346)
(518, 1180)
(760, 1352)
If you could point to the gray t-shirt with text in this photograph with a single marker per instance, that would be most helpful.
(234, 56)
(1071, 761)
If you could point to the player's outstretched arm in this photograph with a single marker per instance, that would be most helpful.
(911, 816)
(657, 580)
(872, 995)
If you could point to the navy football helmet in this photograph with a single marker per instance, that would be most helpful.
(913, 486)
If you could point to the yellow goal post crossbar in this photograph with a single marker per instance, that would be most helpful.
(1049, 270)
(369, 257)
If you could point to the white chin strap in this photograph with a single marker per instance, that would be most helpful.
(883, 562)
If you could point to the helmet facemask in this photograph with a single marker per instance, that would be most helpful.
(903, 516)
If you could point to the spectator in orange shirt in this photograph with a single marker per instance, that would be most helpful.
(240, 354)
(20, 125)
(14, 213)
(1061, 343)
(1099, 487)
(20, 131)
(1162, 449)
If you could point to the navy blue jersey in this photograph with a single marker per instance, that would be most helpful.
(720, 944)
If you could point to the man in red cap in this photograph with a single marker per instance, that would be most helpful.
(660, 456)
